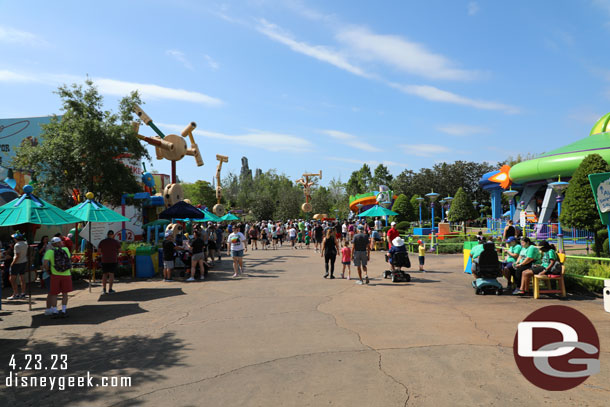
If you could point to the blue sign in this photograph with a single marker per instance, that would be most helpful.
(13, 132)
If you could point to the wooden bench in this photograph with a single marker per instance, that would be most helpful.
(561, 285)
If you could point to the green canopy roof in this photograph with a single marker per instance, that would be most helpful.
(377, 211)
(158, 222)
(93, 211)
(229, 216)
(30, 209)
(209, 217)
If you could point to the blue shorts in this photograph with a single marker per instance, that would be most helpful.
(237, 253)
(421, 260)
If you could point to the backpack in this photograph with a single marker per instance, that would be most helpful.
(62, 260)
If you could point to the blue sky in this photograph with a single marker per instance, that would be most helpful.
(309, 85)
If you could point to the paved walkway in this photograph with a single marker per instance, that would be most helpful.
(285, 336)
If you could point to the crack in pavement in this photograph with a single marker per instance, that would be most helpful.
(186, 314)
(237, 370)
(381, 369)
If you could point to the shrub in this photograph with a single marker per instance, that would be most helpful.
(404, 225)
(450, 248)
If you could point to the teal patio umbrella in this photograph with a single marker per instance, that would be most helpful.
(28, 208)
(209, 217)
(94, 212)
(377, 211)
(229, 216)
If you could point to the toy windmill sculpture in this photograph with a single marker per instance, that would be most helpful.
(219, 209)
(171, 147)
(307, 184)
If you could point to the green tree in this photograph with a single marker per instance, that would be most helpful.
(200, 192)
(402, 206)
(461, 208)
(424, 209)
(360, 181)
(82, 148)
(321, 201)
(579, 209)
(381, 176)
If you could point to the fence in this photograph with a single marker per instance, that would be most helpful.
(544, 231)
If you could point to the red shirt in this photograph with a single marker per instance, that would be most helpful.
(110, 250)
(392, 234)
(67, 243)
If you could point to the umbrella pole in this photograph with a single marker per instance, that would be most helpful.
(90, 257)
(27, 270)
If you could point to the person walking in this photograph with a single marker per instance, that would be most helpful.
(236, 243)
(109, 249)
(361, 254)
(421, 251)
(18, 266)
(330, 248)
(318, 235)
(346, 257)
(169, 250)
(57, 262)
(198, 257)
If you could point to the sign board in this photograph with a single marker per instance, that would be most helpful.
(98, 232)
(600, 184)
(14, 132)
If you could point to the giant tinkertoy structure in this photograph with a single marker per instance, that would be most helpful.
(307, 184)
(171, 147)
(219, 208)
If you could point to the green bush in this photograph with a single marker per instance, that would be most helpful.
(606, 248)
(450, 248)
(404, 225)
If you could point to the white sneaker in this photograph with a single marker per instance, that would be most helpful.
(190, 279)
(359, 282)
(202, 277)
(48, 312)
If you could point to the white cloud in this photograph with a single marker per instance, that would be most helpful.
(340, 60)
(424, 150)
(13, 77)
(350, 140)
(318, 52)
(462, 129)
(402, 54)
(114, 87)
(150, 91)
(10, 35)
(473, 8)
(270, 141)
(211, 62)
(180, 57)
(438, 95)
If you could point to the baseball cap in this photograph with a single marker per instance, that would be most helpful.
(392, 224)
(17, 235)
(56, 240)
(419, 241)
(510, 239)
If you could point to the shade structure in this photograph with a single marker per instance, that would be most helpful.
(30, 209)
(229, 216)
(93, 211)
(181, 210)
(377, 211)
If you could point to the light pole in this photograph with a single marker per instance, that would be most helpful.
(442, 202)
(510, 194)
(559, 187)
(448, 202)
(420, 200)
(432, 196)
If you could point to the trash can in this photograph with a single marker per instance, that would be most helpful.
(146, 261)
(466, 249)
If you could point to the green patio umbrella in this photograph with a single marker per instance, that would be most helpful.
(28, 208)
(377, 211)
(229, 216)
(209, 217)
(94, 212)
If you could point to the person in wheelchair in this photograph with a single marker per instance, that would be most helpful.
(398, 257)
(487, 263)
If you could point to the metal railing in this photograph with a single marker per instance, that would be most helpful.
(544, 231)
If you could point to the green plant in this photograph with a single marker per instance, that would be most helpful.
(450, 248)
(404, 225)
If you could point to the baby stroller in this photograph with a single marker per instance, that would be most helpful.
(399, 260)
(488, 271)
